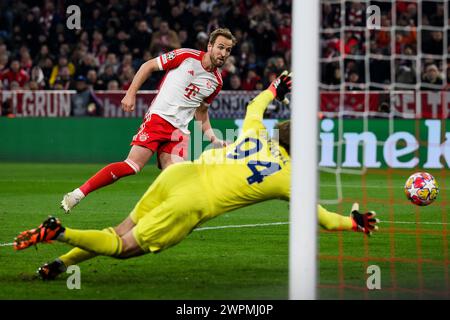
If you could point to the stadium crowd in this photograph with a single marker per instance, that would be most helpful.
(38, 51)
(420, 61)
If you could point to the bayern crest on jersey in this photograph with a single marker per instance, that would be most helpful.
(143, 136)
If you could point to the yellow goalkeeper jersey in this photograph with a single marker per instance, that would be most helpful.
(252, 169)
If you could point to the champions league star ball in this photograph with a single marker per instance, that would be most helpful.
(421, 188)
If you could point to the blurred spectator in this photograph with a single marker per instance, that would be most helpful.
(113, 85)
(164, 40)
(355, 14)
(207, 5)
(96, 43)
(64, 78)
(62, 62)
(43, 54)
(406, 13)
(140, 38)
(84, 102)
(431, 76)
(265, 36)
(234, 83)
(229, 68)
(6, 106)
(14, 75)
(109, 74)
(275, 65)
(405, 72)
(87, 63)
(353, 81)
(448, 77)
(331, 15)
(93, 82)
(201, 41)
(433, 42)
(47, 67)
(331, 74)
(31, 29)
(354, 43)
(14, 86)
(102, 54)
(404, 40)
(185, 42)
(284, 34)
(25, 60)
(126, 77)
(250, 80)
(111, 60)
(37, 76)
(3, 62)
(32, 85)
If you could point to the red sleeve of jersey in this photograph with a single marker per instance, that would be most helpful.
(173, 59)
(210, 99)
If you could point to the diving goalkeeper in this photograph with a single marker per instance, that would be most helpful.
(254, 168)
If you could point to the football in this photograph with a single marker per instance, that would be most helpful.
(421, 188)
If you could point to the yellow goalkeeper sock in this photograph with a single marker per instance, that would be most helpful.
(77, 255)
(333, 221)
(99, 242)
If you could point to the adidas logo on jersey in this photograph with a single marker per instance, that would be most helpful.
(191, 72)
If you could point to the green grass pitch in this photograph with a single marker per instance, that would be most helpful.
(249, 262)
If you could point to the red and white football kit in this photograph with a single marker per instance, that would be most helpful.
(184, 87)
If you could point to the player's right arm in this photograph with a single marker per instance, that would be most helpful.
(332, 221)
(255, 110)
(167, 61)
(144, 72)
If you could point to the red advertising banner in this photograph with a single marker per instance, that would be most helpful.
(402, 104)
(22, 103)
(232, 104)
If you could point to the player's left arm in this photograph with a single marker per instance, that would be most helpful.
(201, 114)
(256, 108)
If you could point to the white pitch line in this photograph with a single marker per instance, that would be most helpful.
(243, 226)
(358, 186)
(413, 222)
(286, 223)
(8, 244)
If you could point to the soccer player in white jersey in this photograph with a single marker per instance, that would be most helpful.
(191, 82)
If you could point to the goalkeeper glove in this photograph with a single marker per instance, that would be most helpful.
(282, 86)
(363, 222)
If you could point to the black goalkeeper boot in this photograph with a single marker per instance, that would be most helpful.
(50, 271)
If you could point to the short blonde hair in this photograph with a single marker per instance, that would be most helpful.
(283, 135)
(224, 32)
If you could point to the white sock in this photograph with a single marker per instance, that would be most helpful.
(78, 193)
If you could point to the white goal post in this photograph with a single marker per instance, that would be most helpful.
(304, 115)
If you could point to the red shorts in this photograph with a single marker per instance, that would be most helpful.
(160, 136)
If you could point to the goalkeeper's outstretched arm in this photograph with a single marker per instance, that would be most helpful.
(356, 221)
(255, 110)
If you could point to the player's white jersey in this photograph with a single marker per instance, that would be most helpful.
(185, 85)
